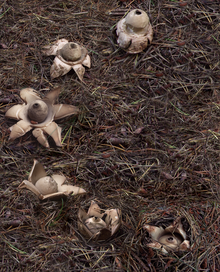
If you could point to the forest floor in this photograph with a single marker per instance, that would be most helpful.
(146, 141)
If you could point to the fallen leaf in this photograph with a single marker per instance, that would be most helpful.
(166, 175)
(138, 130)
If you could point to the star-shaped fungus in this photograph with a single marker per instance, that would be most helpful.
(97, 224)
(68, 55)
(134, 31)
(170, 238)
(46, 187)
(39, 114)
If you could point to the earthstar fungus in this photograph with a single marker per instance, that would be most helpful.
(134, 31)
(69, 55)
(46, 187)
(171, 238)
(39, 114)
(97, 224)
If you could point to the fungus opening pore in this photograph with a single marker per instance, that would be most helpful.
(136, 22)
(36, 105)
(38, 111)
(71, 52)
(138, 12)
(173, 236)
(73, 45)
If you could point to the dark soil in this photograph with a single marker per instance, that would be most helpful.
(146, 140)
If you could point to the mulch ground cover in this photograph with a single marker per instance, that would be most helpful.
(146, 140)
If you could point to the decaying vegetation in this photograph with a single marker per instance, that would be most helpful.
(146, 140)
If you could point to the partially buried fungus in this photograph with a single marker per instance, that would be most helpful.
(46, 187)
(97, 224)
(39, 114)
(134, 31)
(69, 55)
(170, 238)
